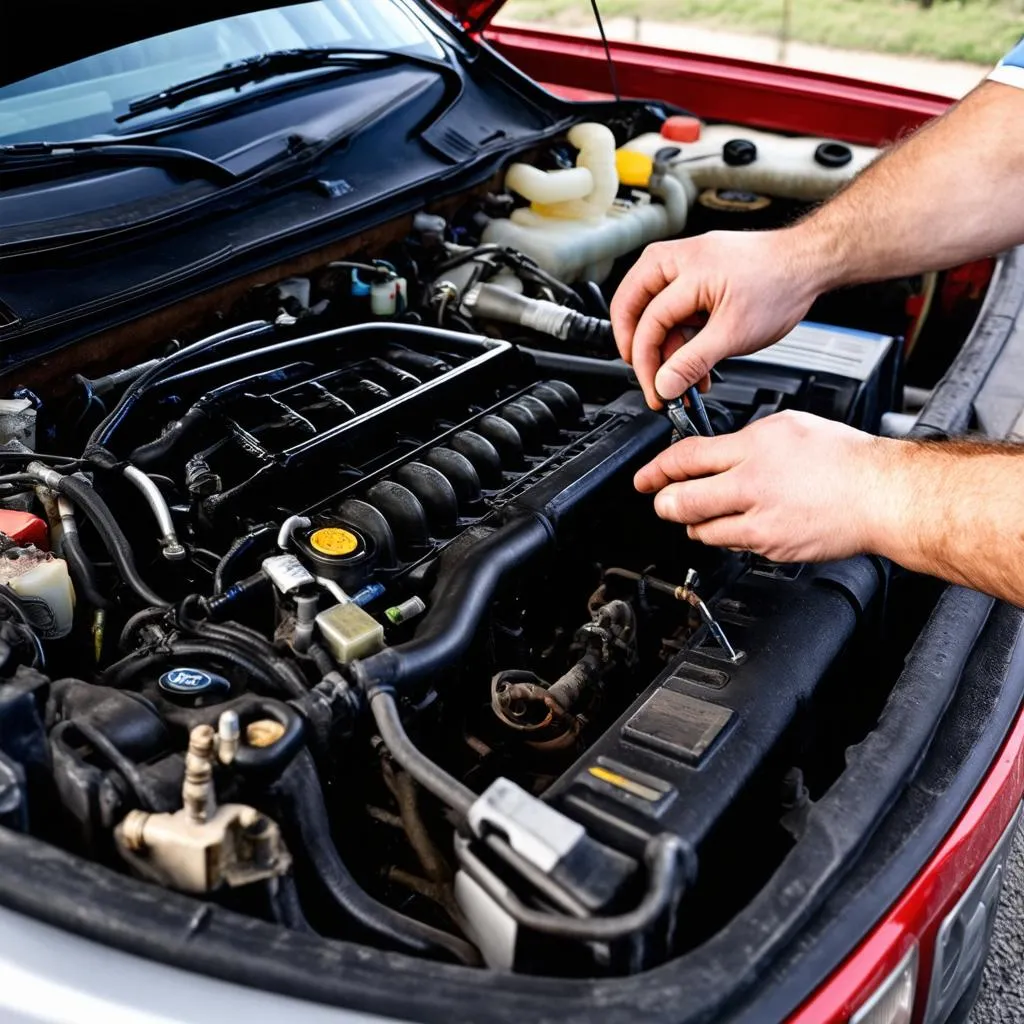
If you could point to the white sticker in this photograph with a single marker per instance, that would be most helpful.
(287, 573)
(811, 346)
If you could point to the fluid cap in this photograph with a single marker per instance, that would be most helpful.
(334, 540)
(338, 551)
(680, 128)
(634, 169)
(833, 154)
(739, 152)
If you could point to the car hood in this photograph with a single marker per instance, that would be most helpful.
(473, 15)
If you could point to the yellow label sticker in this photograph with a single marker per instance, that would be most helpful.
(631, 786)
(333, 540)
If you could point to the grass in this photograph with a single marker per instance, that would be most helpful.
(978, 31)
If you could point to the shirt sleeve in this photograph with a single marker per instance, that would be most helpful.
(1010, 70)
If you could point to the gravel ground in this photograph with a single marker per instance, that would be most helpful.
(1002, 992)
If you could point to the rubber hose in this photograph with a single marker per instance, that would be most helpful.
(105, 429)
(123, 672)
(14, 604)
(244, 637)
(430, 776)
(590, 330)
(231, 633)
(154, 451)
(458, 602)
(299, 789)
(139, 619)
(123, 765)
(83, 573)
(239, 548)
(285, 907)
(98, 513)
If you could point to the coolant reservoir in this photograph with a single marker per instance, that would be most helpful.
(786, 167)
(575, 227)
(41, 580)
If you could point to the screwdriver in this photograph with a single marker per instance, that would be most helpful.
(696, 421)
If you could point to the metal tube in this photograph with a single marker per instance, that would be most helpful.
(173, 549)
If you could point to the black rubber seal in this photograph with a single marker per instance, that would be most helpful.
(833, 154)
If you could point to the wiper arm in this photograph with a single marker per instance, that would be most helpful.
(271, 65)
(87, 153)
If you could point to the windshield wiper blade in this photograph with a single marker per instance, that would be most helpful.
(22, 156)
(271, 65)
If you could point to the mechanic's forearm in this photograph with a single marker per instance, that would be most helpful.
(953, 510)
(951, 193)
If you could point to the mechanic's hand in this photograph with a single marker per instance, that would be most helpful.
(755, 286)
(792, 487)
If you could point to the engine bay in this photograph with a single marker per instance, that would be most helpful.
(340, 609)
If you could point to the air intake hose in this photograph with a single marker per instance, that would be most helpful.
(457, 603)
(493, 302)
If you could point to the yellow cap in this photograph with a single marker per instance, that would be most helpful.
(333, 540)
(634, 168)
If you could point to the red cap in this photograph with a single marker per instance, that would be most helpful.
(680, 128)
(24, 528)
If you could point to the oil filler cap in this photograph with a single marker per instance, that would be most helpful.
(334, 540)
(337, 551)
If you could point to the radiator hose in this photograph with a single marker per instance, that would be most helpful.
(457, 603)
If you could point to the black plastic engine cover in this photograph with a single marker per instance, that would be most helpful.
(683, 752)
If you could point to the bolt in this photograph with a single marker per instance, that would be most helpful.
(174, 551)
(229, 735)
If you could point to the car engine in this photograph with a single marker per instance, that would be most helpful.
(343, 612)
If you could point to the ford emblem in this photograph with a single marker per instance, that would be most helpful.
(191, 680)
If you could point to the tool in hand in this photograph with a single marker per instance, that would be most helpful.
(694, 422)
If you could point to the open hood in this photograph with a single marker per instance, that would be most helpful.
(474, 15)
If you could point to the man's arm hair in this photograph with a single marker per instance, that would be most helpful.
(950, 193)
(955, 509)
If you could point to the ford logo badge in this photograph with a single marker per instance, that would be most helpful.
(191, 680)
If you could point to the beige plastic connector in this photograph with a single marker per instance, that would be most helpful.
(350, 632)
(203, 846)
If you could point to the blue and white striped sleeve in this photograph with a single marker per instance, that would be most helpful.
(1010, 70)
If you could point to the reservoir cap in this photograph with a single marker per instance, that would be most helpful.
(680, 128)
(337, 551)
(334, 540)
(739, 152)
(634, 169)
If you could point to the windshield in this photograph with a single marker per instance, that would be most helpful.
(84, 98)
